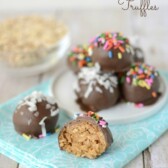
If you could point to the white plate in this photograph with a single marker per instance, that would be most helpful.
(62, 89)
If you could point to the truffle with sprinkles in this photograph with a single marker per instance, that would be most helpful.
(36, 116)
(86, 136)
(112, 51)
(79, 57)
(96, 90)
(100, 121)
(141, 85)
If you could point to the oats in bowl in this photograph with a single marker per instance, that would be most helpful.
(26, 41)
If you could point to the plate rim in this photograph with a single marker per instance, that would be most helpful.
(131, 119)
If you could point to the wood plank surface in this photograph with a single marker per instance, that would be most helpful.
(85, 24)
(7, 163)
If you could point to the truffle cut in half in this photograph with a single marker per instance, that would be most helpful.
(86, 136)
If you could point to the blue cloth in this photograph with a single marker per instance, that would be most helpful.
(129, 140)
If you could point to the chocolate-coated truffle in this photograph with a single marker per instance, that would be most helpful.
(96, 90)
(36, 115)
(78, 57)
(141, 85)
(112, 51)
(87, 136)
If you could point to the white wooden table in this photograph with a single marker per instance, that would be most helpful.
(84, 24)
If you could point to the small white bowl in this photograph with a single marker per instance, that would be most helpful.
(56, 53)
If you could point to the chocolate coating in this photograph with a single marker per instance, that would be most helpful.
(27, 121)
(96, 101)
(96, 90)
(73, 67)
(79, 57)
(87, 135)
(138, 94)
(112, 64)
(112, 51)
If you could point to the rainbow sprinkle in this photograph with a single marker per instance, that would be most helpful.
(112, 41)
(42, 136)
(154, 94)
(139, 105)
(142, 75)
(57, 129)
(101, 122)
(27, 137)
(119, 55)
(110, 54)
(81, 56)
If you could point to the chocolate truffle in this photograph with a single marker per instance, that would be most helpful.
(112, 51)
(96, 90)
(139, 56)
(141, 85)
(36, 115)
(87, 136)
(80, 56)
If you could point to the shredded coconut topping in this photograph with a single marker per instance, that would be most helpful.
(93, 76)
(37, 97)
(32, 100)
(43, 128)
(21, 113)
(54, 112)
(29, 121)
(36, 114)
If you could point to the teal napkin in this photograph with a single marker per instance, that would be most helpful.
(129, 140)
